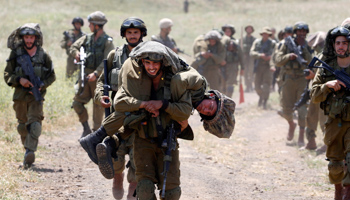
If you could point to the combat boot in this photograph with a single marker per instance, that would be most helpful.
(264, 102)
(86, 130)
(338, 191)
(291, 130)
(311, 144)
(117, 189)
(90, 142)
(29, 159)
(104, 152)
(131, 191)
(301, 137)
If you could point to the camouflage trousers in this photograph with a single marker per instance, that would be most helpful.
(337, 139)
(248, 71)
(263, 80)
(291, 89)
(149, 163)
(314, 117)
(125, 148)
(82, 98)
(29, 112)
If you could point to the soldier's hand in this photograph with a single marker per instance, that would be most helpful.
(91, 77)
(183, 124)
(223, 63)
(103, 102)
(205, 54)
(25, 83)
(77, 56)
(335, 85)
(272, 69)
(311, 75)
(153, 105)
(69, 43)
(292, 56)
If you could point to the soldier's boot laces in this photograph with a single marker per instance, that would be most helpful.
(311, 144)
(301, 137)
(29, 159)
(291, 130)
(86, 130)
(90, 142)
(117, 189)
(338, 191)
(131, 191)
(104, 152)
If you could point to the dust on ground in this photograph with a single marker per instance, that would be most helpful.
(255, 163)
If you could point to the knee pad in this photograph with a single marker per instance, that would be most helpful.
(335, 167)
(78, 107)
(145, 190)
(35, 130)
(22, 129)
(173, 194)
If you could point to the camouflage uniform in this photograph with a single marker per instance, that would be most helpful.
(167, 41)
(234, 57)
(96, 51)
(248, 62)
(29, 112)
(70, 36)
(262, 74)
(148, 156)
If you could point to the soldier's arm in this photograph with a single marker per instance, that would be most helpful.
(319, 90)
(50, 76)
(75, 48)
(219, 57)
(282, 57)
(108, 48)
(10, 76)
(101, 80)
(254, 52)
(63, 42)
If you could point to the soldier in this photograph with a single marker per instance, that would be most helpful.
(293, 79)
(163, 37)
(273, 35)
(333, 94)
(133, 29)
(211, 57)
(69, 37)
(248, 61)
(27, 41)
(97, 45)
(234, 57)
(261, 51)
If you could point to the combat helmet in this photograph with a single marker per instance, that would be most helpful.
(332, 34)
(300, 26)
(223, 122)
(16, 37)
(213, 34)
(233, 30)
(78, 20)
(288, 29)
(98, 18)
(133, 22)
(165, 23)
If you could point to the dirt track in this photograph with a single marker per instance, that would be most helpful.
(255, 163)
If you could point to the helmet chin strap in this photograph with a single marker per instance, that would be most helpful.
(134, 44)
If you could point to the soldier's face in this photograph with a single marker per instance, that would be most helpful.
(207, 107)
(301, 33)
(212, 42)
(77, 26)
(133, 35)
(228, 32)
(249, 30)
(341, 45)
(29, 41)
(167, 30)
(92, 27)
(151, 67)
(265, 36)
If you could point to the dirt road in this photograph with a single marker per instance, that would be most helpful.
(255, 163)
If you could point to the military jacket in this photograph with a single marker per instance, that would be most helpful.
(291, 67)
(219, 53)
(135, 87)
(167, 41)
(335, 104)
(115, 60)
(95, 51)
(259, 47)
(70, 36)
(247, 44)
(234, 54)
(43, 69)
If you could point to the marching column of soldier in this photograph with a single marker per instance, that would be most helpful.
(153, 92)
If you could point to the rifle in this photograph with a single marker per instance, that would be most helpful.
(183, 52)
(27, 67)
(305, 96)
(106, 87)
(297, 50)
(170, 144)
(65, 33)
(82, 66)
(340, 75)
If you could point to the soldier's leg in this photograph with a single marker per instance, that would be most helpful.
(71, 67)
(311, 125)
(145, 157)
(113, 122)
(98, 114)
(322, 119)
(20, 108)
(302, 111)
(119, 166)
(232, 69)
(131, 171)
(258, 82)
(266, 84)
(81, 98)
(287, 104)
